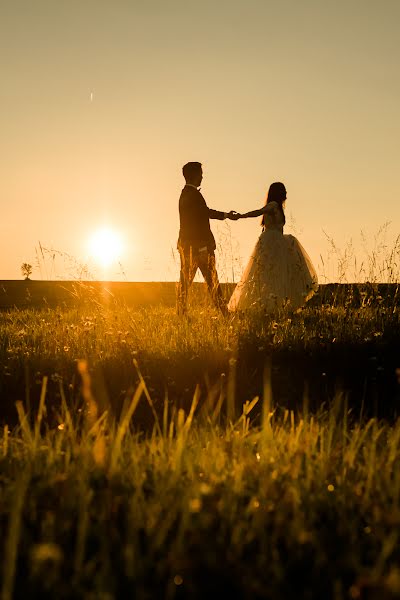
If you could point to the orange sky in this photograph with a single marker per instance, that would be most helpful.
(103, 101)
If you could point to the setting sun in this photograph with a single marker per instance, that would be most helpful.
(105, 246)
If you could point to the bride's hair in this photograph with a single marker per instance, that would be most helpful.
(276, 193)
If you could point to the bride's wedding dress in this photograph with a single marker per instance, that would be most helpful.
(279, 272)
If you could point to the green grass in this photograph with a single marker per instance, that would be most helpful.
(148, 456)
(298, 508)
(318, 348)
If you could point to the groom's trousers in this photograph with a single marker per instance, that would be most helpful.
(191, 260)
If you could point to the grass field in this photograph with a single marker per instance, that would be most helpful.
(148, 456)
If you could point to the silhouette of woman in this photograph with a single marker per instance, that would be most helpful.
(279, 272)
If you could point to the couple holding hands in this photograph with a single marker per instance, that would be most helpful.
(279, 272)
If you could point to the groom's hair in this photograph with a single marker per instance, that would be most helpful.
(190, 170)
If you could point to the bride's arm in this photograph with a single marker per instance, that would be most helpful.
(268, 208)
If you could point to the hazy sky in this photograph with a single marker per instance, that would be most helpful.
(102, 102)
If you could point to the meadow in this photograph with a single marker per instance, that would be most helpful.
(145, 455)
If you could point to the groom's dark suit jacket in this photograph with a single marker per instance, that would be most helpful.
(194, 216)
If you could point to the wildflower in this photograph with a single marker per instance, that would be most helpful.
(195, 505)
(205, 489)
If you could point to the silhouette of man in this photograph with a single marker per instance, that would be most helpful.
(196, 243)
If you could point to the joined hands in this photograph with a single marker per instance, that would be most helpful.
(233, 215)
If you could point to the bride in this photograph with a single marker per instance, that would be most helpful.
(279, 273)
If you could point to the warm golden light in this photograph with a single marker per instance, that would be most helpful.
(105, 246)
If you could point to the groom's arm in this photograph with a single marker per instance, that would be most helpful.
(217, 214)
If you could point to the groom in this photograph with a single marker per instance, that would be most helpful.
(196, 243)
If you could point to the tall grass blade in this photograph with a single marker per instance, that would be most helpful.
(218, 407)
(5, 440)
(148, 397)
(13, 536)
(122, 428)
(23, 420)
(231, 391)
(41, 409)
(267, 395)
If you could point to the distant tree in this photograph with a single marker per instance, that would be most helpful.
(26, 270)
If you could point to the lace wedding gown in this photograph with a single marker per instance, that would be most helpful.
(279, 272)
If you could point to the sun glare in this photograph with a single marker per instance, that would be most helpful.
(105, 247)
